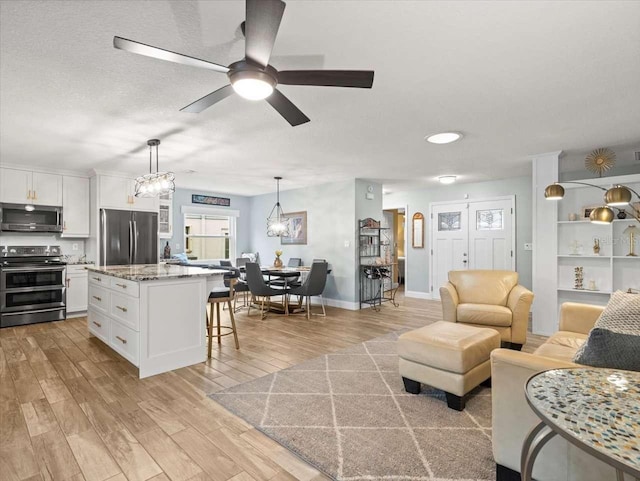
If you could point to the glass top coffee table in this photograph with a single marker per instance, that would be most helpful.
(597, 410)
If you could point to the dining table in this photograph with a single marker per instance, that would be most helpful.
(287, 274)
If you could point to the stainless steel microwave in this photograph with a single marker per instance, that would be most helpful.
(30, 218)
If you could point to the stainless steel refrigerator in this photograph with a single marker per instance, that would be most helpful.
(128, 237)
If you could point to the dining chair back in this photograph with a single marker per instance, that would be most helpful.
(294, 262)
(241, 261)
(258, 287)
(226, 263)
(313, 285)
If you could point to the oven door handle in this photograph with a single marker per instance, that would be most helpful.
(15, 290)
(32, 269)
(31, 311)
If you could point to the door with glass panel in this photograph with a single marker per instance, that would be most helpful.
(491, 235)
(471, 235)
(450, 237)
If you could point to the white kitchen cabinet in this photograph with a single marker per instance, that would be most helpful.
(47, 189)
(77, 283)
(115, 192)
(119, 193)
(27, 187)
(75, 206)
(16, 186)
(165, 217)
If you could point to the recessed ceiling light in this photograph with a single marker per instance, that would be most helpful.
(447, 179)
(443, 137)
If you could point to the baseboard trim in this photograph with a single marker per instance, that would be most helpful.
(73, 315)
(348, 305)
(418, 294)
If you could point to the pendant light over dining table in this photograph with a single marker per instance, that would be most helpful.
(155, 183)
(277, 223)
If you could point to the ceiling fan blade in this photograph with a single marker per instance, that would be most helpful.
(208, 100)
(162, 54)
(285, 107)
(328, 78)
(261, 29)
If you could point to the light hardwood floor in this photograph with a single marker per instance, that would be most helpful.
(72, 409)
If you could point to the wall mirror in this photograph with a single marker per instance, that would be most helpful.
(417, 237)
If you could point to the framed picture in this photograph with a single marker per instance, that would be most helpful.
(417, 231)
(586, 211)
(210, 200)
(297, 228)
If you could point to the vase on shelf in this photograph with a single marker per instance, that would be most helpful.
(596, 246)
(277, 261)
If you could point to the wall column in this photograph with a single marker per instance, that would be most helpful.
(545, 245)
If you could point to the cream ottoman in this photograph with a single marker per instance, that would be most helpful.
(448, 356)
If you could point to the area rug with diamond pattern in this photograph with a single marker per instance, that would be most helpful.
(347, 414)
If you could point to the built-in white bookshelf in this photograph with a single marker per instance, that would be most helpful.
(610, 269)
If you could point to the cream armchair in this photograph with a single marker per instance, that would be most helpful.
(513, 418)
(485, 298)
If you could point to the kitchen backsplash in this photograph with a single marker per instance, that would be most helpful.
(44, 239)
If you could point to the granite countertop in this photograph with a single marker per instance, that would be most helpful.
(154, 272)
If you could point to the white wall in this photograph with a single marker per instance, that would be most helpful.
(332, 213)
(417, 260)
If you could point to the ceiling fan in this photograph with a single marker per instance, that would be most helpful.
(252, 77)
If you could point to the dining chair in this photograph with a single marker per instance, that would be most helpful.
(313, 286)
(240, 286)
(226, 263)
(259, 288)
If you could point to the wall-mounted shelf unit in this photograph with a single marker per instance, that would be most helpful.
(611, 269)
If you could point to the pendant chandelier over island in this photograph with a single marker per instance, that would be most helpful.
(155, 183)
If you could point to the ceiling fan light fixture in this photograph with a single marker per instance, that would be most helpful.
(443, 137)
(252, 84)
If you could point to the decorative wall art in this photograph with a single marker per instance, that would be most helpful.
(600, 160)
(417, 235)
(297, 229)
(210, 200)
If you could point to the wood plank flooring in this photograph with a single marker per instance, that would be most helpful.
(72, 409)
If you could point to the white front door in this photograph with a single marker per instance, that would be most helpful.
(491, 235)
(471, 235)
(450, 236)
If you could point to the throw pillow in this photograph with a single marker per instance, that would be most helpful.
(614, 341)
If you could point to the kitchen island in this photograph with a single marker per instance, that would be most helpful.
(152, 314)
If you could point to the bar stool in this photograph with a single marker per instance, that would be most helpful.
(218, 296)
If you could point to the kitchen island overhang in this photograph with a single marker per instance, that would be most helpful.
(154, 315)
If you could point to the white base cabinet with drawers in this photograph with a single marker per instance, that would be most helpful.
(157, 325)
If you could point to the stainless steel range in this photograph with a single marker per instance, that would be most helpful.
(32, 285)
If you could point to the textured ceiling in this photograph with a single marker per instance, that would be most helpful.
(516, 78)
